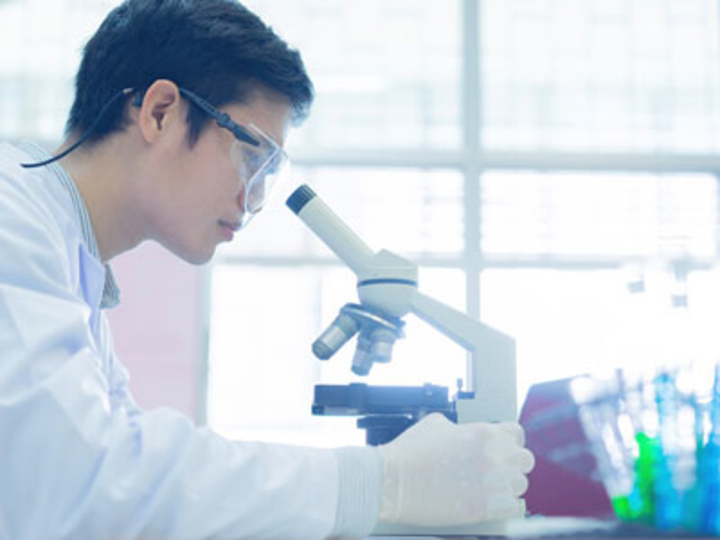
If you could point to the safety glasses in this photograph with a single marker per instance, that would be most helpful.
(261, 167)
(259, 161)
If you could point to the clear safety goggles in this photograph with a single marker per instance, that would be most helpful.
(260, 162)
(261, 168)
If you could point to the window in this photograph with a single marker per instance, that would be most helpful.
(539, 160)
(600, 75)
(40, 45)
(551, 166)
(599, 215)
(387, 73)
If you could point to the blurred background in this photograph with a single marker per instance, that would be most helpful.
(551, 164)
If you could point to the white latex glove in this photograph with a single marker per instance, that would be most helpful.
(438, 473)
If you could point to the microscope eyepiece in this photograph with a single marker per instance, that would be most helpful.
(300, 197)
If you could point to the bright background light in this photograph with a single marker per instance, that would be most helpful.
(539, 160)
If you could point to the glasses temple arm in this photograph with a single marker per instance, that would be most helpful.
(222, 119)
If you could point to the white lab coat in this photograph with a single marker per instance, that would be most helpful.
(78, 459)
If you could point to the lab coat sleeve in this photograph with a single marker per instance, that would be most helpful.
(74, 466)
(360, 470)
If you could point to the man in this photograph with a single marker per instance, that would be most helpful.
(175, 134)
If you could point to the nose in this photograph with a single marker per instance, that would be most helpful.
(251, 198)
(249, 204)
(241, 197)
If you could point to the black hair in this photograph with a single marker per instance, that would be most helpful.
(217, 49)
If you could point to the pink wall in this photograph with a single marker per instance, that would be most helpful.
(157, 327)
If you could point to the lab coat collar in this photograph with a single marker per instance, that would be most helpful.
(111, 291)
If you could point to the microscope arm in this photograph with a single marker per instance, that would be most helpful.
(456, 325)
(491, 369)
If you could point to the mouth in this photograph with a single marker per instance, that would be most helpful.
(233, 226)
(228, 229)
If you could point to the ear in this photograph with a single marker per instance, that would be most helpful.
(161, 110)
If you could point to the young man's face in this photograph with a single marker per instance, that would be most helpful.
(203, 190)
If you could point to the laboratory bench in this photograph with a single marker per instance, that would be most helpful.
(558, 528)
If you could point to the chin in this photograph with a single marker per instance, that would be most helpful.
(192, 256)
(200, 258)
(197, 261)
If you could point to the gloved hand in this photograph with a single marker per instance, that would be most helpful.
(438, 473)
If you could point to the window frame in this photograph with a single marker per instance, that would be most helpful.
(472, 161)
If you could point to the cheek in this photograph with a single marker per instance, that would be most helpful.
(215, 168)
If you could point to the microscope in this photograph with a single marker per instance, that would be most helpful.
(387, 287)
